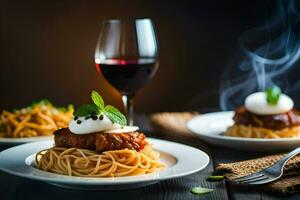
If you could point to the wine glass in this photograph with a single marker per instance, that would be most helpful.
(127, 57)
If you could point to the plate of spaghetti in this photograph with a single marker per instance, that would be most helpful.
(20, 161)
(98, 151)
(267, 121)
(33, 123)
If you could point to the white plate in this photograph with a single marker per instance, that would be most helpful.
(181, 160)
(16, 141)
(211, 127)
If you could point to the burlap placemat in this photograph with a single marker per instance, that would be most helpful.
(289, 183)
(174, 124)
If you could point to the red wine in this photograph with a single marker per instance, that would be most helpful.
(127, 76)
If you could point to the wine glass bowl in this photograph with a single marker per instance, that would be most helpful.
(126, 56)
(128, 76)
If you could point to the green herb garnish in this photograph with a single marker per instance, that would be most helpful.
(97, 99)
(115, 115)
(98, 107)
(215, 178)
(273, 95)
(201, 190)
(46, 102)
(40, 102)
(86, 109)
(66, 109)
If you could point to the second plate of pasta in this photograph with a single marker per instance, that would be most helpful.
(33, 123)
(211, 127)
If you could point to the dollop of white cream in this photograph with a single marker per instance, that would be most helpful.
(257, 103)
(90, 125)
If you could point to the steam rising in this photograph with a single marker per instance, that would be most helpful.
(269, 57)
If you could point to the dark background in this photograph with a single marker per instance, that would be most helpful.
(47, 49)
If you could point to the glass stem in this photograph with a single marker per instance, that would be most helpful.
(128, 105)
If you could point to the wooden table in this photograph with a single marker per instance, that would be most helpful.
(12, 187)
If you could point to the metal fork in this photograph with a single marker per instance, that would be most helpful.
(269, 174)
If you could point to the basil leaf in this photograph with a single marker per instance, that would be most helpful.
(85, 110)
(115, 115)
(99, 107)
(215, 178)
(62, 109)
(66, 109)
(42, 102)
(97, 99)
(273, 95)
(201, 190)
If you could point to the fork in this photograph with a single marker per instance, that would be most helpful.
(269, 174)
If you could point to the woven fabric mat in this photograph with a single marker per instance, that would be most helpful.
(174, 124)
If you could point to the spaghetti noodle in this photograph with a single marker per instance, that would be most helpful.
(260, 132)
(87, 163)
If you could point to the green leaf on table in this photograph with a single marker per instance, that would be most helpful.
(215, 178)
(86, 109)
(201, 190)
(97, 99)
(273, 95)
(115, 115)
